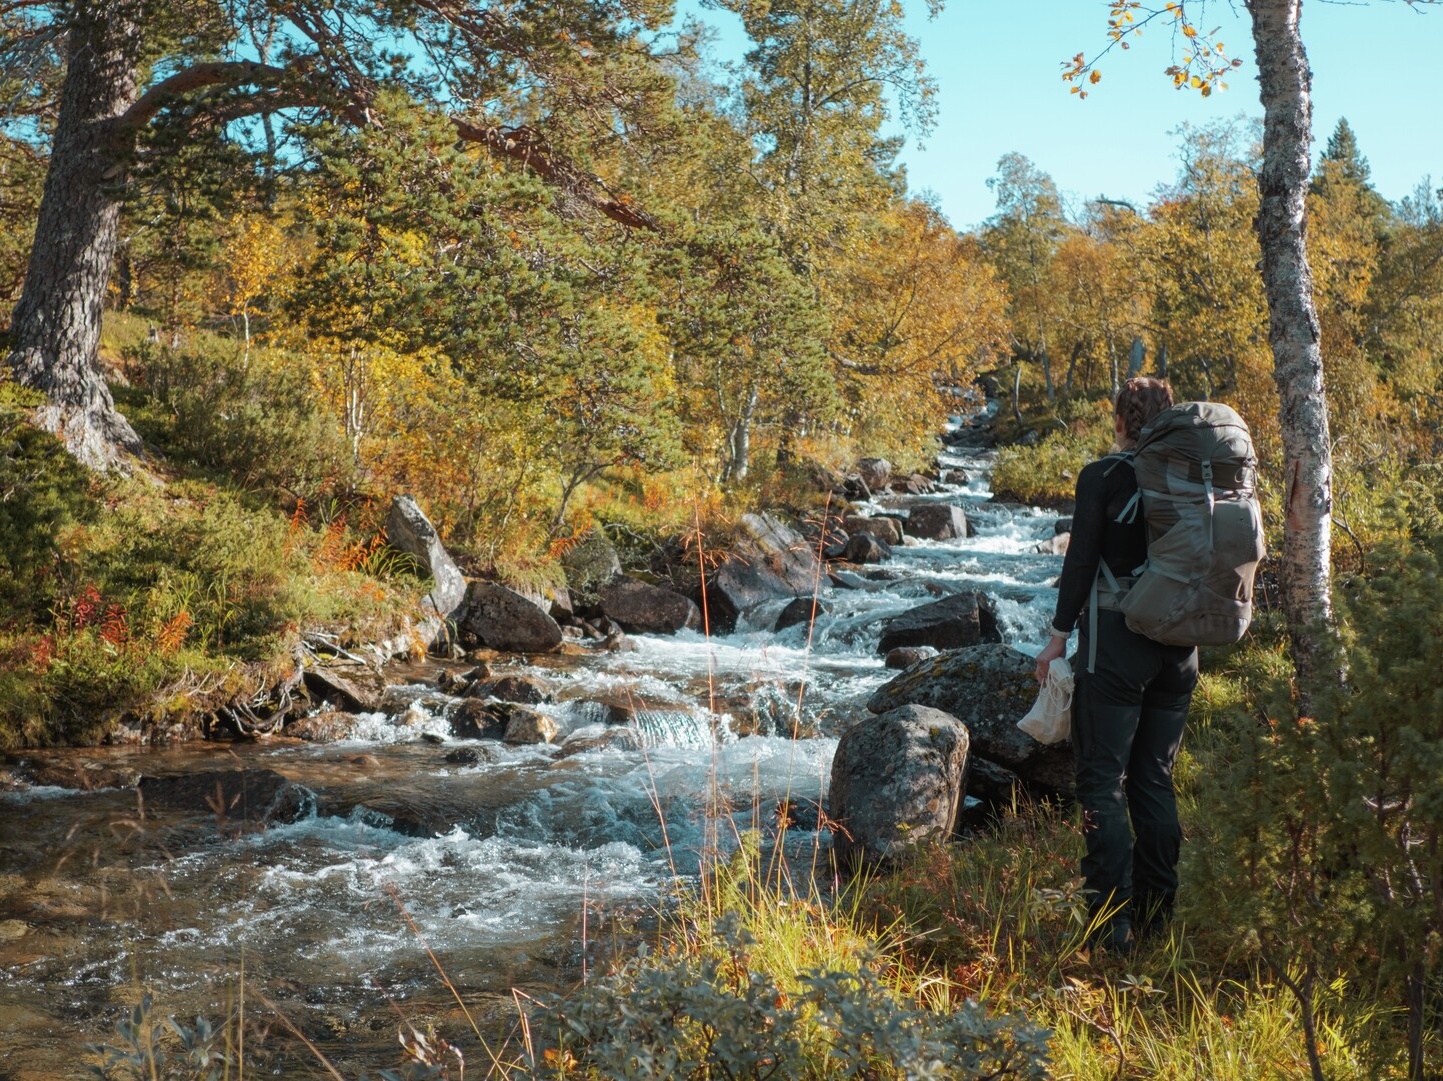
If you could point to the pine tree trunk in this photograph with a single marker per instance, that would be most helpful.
(55, 329)
(1293, 333)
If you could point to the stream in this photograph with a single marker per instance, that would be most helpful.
(546, 862)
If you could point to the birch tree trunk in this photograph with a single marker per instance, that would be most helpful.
(55, 329)
(1293, 333)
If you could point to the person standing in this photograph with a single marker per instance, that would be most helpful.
(1131, 694)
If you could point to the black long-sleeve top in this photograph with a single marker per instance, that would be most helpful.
(1104, 488)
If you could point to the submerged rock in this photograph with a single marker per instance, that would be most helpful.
(470, 756)
(73, 773)
(988, 688)
(897, 782)
(249, 796)
(610, 739)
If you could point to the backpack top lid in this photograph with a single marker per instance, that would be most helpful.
(1178, 441)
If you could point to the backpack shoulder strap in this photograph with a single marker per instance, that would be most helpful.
(1103, 571)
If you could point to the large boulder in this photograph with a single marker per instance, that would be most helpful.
(408, 529)
(963, 619)
(503, 619)
(913, 484)
(888, 530)
(590, 564)
(865, 548)
(767, 561)
(875, 472)
(248, 797)
(647, 609)
(522, 689)
(937, 521)
(897, 782)
(988, 688)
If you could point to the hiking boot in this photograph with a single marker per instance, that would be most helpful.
(1151, 913)
(1112, 935)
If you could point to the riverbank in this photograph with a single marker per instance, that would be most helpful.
(324, 903)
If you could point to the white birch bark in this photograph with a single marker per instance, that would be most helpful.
(1293, 333)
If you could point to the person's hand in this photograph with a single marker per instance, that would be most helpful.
(1055, 648)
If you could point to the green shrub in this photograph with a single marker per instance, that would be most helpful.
(1321, 856)
(171, 597)
(259, 424)
(1044, 474)
(720, 1017)
(42, 490)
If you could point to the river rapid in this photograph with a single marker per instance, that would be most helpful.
(546, 861)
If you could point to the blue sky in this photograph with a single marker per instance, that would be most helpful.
(997, 64)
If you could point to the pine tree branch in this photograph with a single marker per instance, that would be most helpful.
(527, 146)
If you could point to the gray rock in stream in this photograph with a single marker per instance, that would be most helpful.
(862, 548)
(907, 656)
(897, 782)
(641, 608)
(963, 619)
(888, 530)
(988, 688)
(408, 529)
(505, 620)
(356, 689)
(523, 689)
(801, 611)
(937, 521)
(768, 561)
(323, 726)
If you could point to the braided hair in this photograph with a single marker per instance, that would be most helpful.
(1140, 399)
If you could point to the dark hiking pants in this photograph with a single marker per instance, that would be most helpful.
(1127, 722)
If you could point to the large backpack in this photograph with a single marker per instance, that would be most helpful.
(1197, 485)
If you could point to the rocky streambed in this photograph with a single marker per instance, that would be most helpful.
(513, 815)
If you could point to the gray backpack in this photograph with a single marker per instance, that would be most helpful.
(1197, 486)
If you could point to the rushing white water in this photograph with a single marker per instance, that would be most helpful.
(496, 864)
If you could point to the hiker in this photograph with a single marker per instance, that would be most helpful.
(1131, 698)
